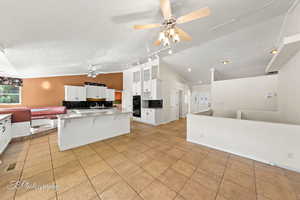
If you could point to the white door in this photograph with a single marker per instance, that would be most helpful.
(174, 105)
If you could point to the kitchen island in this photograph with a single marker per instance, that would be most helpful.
(78, 128)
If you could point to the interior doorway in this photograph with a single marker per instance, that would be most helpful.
(180, 103)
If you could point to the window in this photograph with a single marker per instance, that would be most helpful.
(10, 94)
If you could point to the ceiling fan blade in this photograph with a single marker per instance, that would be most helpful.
(157, 43)
(182, 34)
(204, 12)
(166, 8)
(148, 26)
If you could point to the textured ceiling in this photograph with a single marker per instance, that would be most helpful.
(52, 37)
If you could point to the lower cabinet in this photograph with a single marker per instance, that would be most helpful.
(151, 116)
(5, 133)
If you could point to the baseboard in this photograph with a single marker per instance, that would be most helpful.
(246, 156)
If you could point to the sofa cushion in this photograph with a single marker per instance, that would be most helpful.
(21, 114)
(42, 111)
(44, 117)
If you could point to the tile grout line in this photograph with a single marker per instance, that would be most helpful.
(115, 172)
(255, 179)
(222, 179)
(87, 178)
(290, 183)
(15, 194)
(56, 195)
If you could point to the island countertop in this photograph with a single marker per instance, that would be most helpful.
(92, 113)
(4, 116)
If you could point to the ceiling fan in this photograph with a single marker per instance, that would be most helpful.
(170, 31)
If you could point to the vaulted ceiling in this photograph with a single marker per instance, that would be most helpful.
(52, 37)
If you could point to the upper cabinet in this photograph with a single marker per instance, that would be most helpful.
(136, 85)
(75, 93)
(154, 71)
(147, 79)
(151, 82)
(110, 95)
(95, 92)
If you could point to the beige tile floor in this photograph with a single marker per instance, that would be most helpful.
(152, 163)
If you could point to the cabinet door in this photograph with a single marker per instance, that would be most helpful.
(156, 89)
(5, 133)
(144, 115)
(136, 88)
(70, 93)
(81, 93)
(151, 116)
(110, 94)
(101, 92)
(92, 91)
(137, 76)
(2, 136)
(154, 72)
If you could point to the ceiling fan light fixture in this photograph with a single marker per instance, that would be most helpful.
(274, 51)
(172, 32)
(176, 38)
(166, 42)
(225, 62)
(162, 36)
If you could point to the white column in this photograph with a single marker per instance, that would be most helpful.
(212, 71)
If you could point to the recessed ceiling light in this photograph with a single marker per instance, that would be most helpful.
(274, 51)
(170, 51)
(189, 69)
(149, 59)
(225, 62)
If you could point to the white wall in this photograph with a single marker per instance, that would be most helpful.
(198, 92)
(172, 83)
(255, 93)
(288, 80)
(127, 89)
(272, 143)
(289, 92)
(267, 116)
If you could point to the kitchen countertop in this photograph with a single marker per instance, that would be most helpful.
(93, 113)
(4, 116)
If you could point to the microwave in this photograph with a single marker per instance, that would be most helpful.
(154, 104)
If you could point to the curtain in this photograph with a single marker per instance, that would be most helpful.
(11, 81)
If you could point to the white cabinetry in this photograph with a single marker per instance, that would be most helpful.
(110, 95)
(137, 84)
(148, 115)
(151, 83)
(5, 133)
(75, 93)
(95, 92)
(102, 92)
(151, 116)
